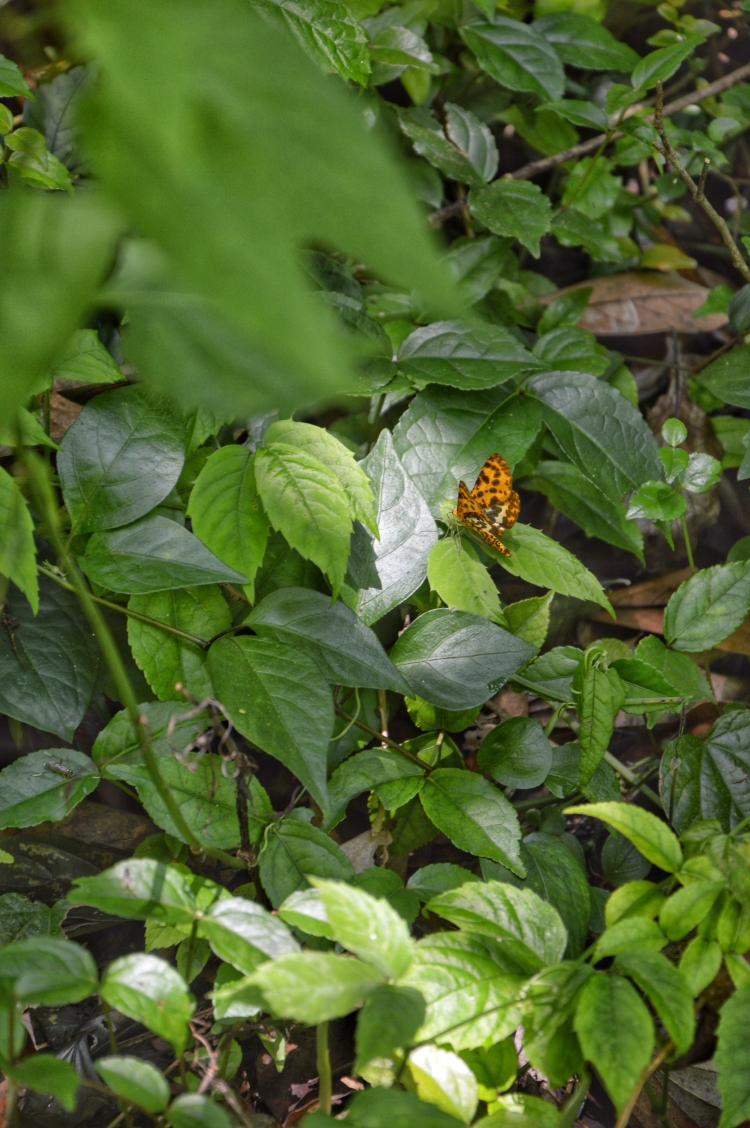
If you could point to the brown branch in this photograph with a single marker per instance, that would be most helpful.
(696, 190)
(626, 1113)
(531, 169)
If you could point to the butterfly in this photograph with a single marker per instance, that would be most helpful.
(492, 506)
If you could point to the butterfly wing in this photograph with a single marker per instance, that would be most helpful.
(470, 513)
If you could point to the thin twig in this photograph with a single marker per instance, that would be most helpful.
(383, 739)
(652, 1067)
(696, 190)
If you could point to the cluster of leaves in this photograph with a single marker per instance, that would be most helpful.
(298, 583)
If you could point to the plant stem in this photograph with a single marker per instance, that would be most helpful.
(45, 499)
(383, 739)
(624, 1116)
(688, 546)
(632, 778)
(569, 1113)
(191, 951)
(323, 1061)
(11, 1100)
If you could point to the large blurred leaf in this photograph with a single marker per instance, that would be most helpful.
(54, 252)
(191, 181)
(17, 552)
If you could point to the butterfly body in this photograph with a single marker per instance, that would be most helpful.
(492, 506)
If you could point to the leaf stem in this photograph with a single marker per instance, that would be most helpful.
(383, 739)
(323, 1061)
(688, 546)
(45, 499)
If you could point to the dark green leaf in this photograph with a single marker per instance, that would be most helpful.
(622, 861)
(45, 785)
(516, 56)
(516, 208)
(17, 551)
(363, 772)
(464, 355)
(438, 877)
(347, 652)
(120, 459)
(118, 739)
(657, 501)
(431, 143)
(667, 989)
(48, 972)
(54, 110)
(661, 64)
(564, 777)
(86, 359)
(384, 572)
(21, 918)
(278, 699)
(49, 663)
(550, 1002)
(136, 1081)
(455, 659)
(580, 40)
(711, 779)
(472, 137)
(474, 815)
(553, 672)
(47, 1074)
(387, 1022)
(708, 607)
(586, 114)
(572, 228)
(293, 850)
(516, 753)
(192, 1110)
(598, 695)
(329, 33)
(726, 377)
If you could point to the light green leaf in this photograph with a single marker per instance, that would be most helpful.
(529, 618)
(442, 1078)
(48, 972)
(226, 512)
(474, 815)
(305, 500)
(368, 927)
(726, 377)
(17, 552)
(120, 459)
(708, 606)
(388, 1022)
(12, 82)
(393, 1108)
(732, 1059)
(329, 33)
(44, 786)
(136, 1081)
(516, 208)
(616, 1033)
(85, 358)
(192, 1110)
(667, 989)
(652, 837)
(461, 581)
(244, 933)
(383, 573)
(150, 991)
(118, 739)
(144, 889)
(700, 963)
(464, 355)
(331, 635)
(516, 56)
(280, 701)
(687, 907)
(47, 1074)
(543, 562)
(313, 987)
(661, 64)
(455, 659)
(598, 695)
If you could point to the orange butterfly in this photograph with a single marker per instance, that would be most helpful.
(492, 506)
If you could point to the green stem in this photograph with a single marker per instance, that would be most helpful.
(688, 546)
(191, 951)
(632, 778)
(46, 501)
(383, 739)
(323, 1060)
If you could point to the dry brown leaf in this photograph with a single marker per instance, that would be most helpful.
(63, 414)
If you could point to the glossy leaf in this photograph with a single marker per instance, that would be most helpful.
(136, 1081)
(474, 138)
(193, 1110)
(45, 785)
(48, 972)
(578, 39)
(516, 753)
(17, 551)
(708, 607)
(295, 850)
(667, 990)
(515, 208)
(652, 837)
(543, 562)
(244, 933)
(329, 33)
(148, 990)
(368, 927)
(142, 889)
(464, 355)
(442, 1078)
(474, 815)
(314, 987)
(516, 56)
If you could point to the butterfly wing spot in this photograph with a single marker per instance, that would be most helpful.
(492, 506)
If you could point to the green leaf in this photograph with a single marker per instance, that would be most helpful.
(47, 1074)
(21, 918)
(368, 927)
(495, 1068)
(388, 1022)
(150, 991)
(280, 348)
(700, 963)
(245, 934)
(314, 987)
(431, 143)
(667, 990)
(384, 572)
(474, 138)
(649, 834)
(568, 308)
(166, 659)
(45, 785)
(464, 355)
(48, 972)
(136, 1081)
(144, 889)
(86, 358)
(598, 430)
(657, 501)
(564, 776)
(598, 697)
(550, 1000)
(572, 228)
(33, 164)
(543, 562)
(622, 862)
(444, 428)
(616, 1033)
(635, 899)
(455, 659)
(206, 797)
(442, 1078)
(529, 618)
(586, 114)
(712, 776)
(53, 270)
(304, 909)
(17, 552)
(474, 815)
(731, 1058)
(331, 635)
(529, 928)
(726, 377)
(641, 680)
(702, 472)
(120, 459)
(398, 46)
(516, 56)
(26, 428)
(552, 673)
(363, 772)
(554, 874)
(516, 208)
(471, 996)
(118, 739)
(305, 500)
(578, 38)
(688, 907)
(280, 701)
(661, 64)
(293, 851)
(516, 753)
(226, 513)
(49, 663)
(569, 348)
(580, 499)
(461, 581)
(12, 82)
(192, 1110)
(329, 33)
(153, 554)
(708, 606)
